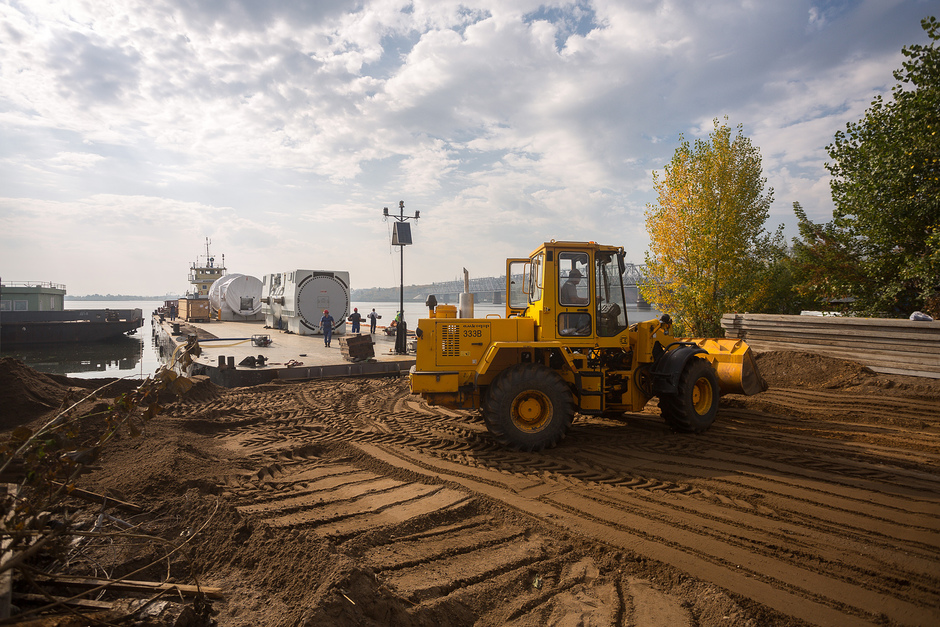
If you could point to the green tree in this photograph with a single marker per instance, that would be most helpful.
(886, 191)
(774, 288)
(709, 252)
(824, 261)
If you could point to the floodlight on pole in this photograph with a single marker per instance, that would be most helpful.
(401, 236)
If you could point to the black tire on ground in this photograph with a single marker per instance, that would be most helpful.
(693, 408)
(528, 407)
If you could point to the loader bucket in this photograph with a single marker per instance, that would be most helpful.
(734, 362)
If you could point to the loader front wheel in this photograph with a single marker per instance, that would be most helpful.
(694, 406)
(528, 407)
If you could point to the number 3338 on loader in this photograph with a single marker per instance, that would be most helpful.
(565, 346)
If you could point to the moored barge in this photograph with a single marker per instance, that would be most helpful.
(33, 312)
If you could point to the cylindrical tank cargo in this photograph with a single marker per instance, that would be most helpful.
(308, 293)
(216, 299)
(241, 297)
(235, 297)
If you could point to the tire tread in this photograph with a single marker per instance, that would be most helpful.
(507, 386)
(677, 409)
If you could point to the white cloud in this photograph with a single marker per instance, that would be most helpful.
(75, 161)
(281, 129)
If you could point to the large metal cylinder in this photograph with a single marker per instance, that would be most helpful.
(465, 305)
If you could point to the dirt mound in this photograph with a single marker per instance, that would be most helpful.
(26, 394)
(203, 390)
(810, 371)
(164, 460)
(110, 386)
(790, 369)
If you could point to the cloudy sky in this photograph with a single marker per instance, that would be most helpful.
(132, 130)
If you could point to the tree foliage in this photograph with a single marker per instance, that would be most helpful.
(709, 252)
(883, 246)
(824, 260)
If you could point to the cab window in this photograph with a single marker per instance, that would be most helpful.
(611, 307)
(574, 279)
(518, 294)
(535, 279)
(575, 324)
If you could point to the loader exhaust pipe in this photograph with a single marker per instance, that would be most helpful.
(465, 300)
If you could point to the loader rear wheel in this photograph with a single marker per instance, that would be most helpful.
(528, 407)
(694, 406)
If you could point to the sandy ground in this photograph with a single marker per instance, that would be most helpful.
(351, 502)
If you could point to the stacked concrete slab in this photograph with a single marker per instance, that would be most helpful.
(883, 344)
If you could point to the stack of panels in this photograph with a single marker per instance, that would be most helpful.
(883, 344)
(357, 347)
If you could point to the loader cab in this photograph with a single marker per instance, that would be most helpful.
(573, 290)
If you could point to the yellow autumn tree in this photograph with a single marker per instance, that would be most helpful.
(709, 253)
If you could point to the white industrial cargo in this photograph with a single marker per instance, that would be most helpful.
(236, 297)
(214, 293)
(308, 292)
(272, 300)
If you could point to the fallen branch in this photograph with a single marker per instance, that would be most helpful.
(94, 497)
(128, 585)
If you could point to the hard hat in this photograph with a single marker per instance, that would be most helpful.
(574, 274)
(326, 311)
(355, 309)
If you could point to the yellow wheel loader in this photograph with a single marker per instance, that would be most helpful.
(565, 346)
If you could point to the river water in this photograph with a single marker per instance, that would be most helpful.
(124, 356)
(137, 356)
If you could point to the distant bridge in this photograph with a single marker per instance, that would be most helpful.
(493, 289)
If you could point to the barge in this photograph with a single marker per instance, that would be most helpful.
(34, 313)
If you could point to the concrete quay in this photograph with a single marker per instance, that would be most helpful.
(289, 357)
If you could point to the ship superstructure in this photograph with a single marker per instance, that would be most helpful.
(204, 273)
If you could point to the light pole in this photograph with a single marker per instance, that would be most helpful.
(401, 237)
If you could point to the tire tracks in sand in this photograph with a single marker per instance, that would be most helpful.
(818, 505)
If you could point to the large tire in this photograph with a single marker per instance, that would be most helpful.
(693, 408)
(528, 407)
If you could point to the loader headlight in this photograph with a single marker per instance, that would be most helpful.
(419, 333)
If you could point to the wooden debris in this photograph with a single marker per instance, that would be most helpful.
(129, 585)
(101, 498)
(6, 577)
